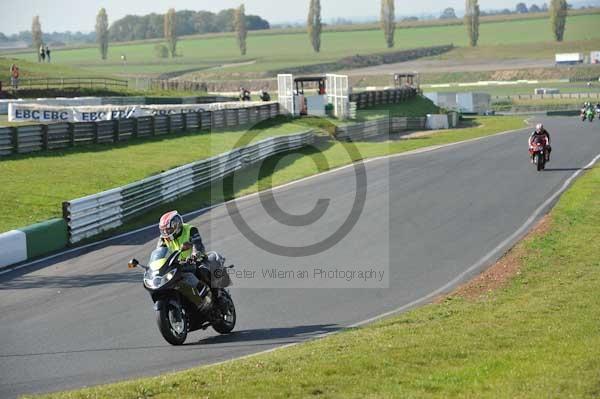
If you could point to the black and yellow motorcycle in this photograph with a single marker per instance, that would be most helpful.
(183, 303)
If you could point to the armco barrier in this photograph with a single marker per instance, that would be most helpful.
(33, 138)
(88, 216)
(372, 98)
(378, 127)
(124, 100)
(562, 96)
(45, 237)
(564, 113)
(13, 248)
(32, 241)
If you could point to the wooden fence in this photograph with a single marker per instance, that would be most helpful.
(67, 83)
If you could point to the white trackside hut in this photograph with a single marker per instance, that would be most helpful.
(314, 95)
(569, 58)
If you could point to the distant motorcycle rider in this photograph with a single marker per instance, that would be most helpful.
(265, 96)
(207, 267)
(541, 132)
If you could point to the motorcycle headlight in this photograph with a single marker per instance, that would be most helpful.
(169, 276)
(156, 281)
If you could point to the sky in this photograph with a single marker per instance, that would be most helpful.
(63, 15)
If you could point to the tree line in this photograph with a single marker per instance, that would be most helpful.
(186, 22)
(520, 8)
(173, 24)
(558, 10)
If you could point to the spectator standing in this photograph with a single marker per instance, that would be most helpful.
(48, 54)
(14, 76)
(42, 53)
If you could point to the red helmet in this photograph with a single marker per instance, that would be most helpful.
(170, 225)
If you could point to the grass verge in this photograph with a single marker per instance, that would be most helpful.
(534, 336)
(34, 185)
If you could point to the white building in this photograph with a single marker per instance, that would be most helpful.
(478, 103)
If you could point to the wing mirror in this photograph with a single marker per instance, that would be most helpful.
(133, 263)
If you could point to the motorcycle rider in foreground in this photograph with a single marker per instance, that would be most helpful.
(174, 234)
(540, 131)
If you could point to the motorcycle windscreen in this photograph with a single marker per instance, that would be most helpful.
(158, 258)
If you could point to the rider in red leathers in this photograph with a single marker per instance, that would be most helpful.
(541, 132)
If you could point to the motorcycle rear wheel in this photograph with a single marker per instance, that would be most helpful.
(226, 322)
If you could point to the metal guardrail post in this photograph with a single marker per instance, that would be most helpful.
(45, 137)
(71, 131)
(184, 123)
(134, 128)
(115, 126)
(15, 139)
(95, 132)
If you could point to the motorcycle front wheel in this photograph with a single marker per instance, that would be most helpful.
(539, 162)
(172, 323)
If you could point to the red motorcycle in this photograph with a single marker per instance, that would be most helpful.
(538, 151)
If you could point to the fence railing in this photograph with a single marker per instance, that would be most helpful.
(583, 96)
(379, 127)
(378, 97)
(96, 213)
(32, 138)
(177, 85)
(67, 83)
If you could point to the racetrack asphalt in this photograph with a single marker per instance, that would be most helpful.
(83, 318)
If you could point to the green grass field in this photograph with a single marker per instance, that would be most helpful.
(34, 186)
(273, 52)
(534, 336)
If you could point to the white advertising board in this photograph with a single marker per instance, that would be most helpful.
(40, 113)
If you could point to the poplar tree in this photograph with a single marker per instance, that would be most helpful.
(472, 21)
(171, 31)
(314, 24)
(102, 32)
(239, 23)
(36, 35)
(558, 18)
(388, 21)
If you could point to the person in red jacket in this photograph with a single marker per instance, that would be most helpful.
(541, 133)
